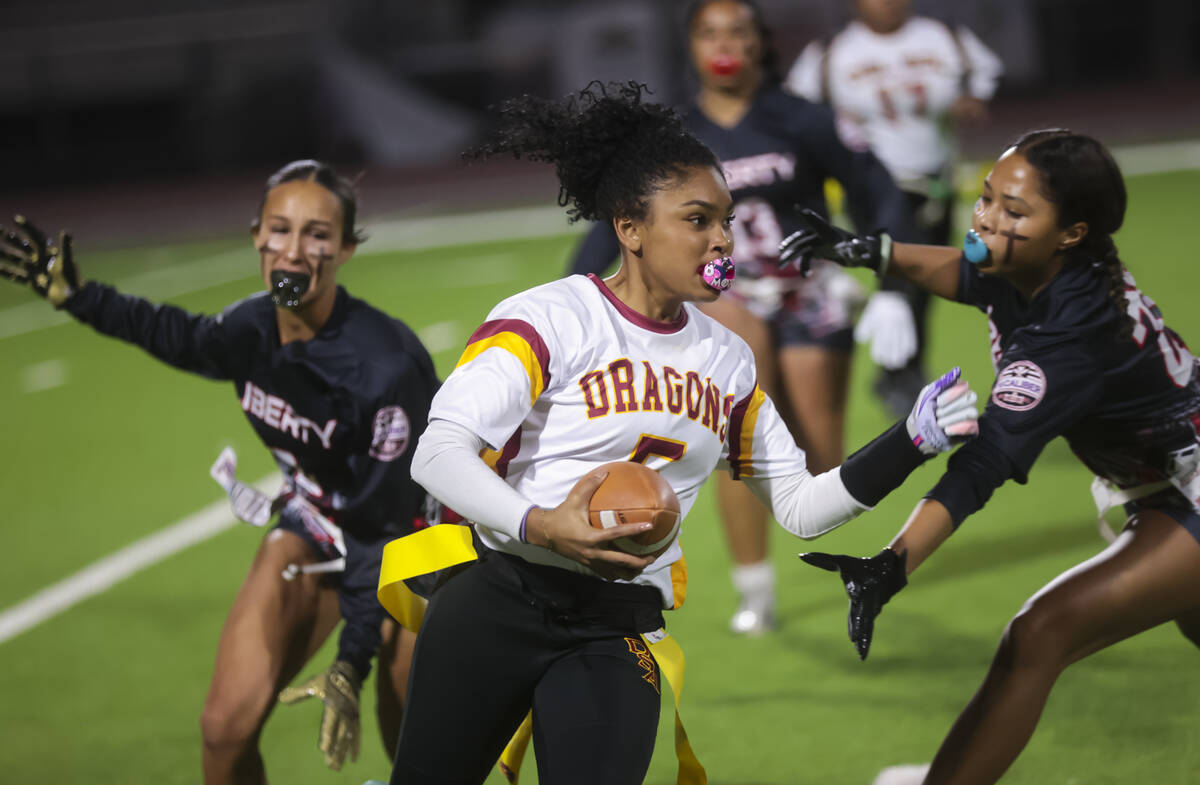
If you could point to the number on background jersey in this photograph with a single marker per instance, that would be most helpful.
(756, 232)
(920, 101)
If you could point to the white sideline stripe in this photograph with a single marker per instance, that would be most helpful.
(45, 375)
(114, 568)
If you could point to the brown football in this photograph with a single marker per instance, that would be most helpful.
(635, 493)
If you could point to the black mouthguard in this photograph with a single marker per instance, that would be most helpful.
(287, 288)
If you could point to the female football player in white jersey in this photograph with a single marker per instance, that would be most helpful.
(337, 390)
(1082, 353)
(776, 151)
(576, 373)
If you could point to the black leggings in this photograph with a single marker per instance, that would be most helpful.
(504, 636)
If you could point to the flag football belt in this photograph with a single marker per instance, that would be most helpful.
(1108, 496)
(439, 547)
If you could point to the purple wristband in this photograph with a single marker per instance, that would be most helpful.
(524, 520)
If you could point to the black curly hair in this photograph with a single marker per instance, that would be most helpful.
(324, 175)
(610, 149)
(1080, 176)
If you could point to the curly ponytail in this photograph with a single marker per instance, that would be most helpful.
(1082, 179)
(609, 149)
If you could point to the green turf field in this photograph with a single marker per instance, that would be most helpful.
(103, 446)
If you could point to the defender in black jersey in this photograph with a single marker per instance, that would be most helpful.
(1081, 353)
(776, 150)
(339, 392)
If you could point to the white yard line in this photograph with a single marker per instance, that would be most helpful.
(114, 568)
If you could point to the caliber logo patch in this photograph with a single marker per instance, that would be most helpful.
(391, 435)
(1020, 386)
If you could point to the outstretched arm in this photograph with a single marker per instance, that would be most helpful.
(809, 506)
(188, 341)
(926, 529)
(932, 267)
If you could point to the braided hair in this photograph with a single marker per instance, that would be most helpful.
(610, 149)
(1080, 176)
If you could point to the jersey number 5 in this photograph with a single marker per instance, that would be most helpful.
(649, 445)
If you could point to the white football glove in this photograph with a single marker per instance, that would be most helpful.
(248, 504)
(943, 415)
(887, 324)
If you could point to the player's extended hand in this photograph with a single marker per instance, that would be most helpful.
(870, 583)
(565, 530)
(27, 258)
(887, 324)
(820, 239)
(944, 414)
(338, 689)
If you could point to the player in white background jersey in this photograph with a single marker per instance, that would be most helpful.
(576, 373)
(900, 85)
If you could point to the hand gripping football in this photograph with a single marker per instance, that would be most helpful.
(635, 493)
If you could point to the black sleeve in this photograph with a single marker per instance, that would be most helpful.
(597, 251)
(882, 466)
(873, 199)
(359, 605)
(188, 341)
(972, 475)
(1044, 386)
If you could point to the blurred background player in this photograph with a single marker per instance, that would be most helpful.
(776, 151)
(901, 84)
(1080, 353)
(338, 391)
(573, 374)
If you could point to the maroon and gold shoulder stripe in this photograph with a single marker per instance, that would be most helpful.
(521, 340)
(742, 420)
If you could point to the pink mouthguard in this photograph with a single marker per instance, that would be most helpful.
(718, 273)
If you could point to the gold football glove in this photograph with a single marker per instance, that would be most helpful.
(26, 257)
(338, 689)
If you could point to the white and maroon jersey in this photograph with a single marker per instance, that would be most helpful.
(565, 377)
(896, 89)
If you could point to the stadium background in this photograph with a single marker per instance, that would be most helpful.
(147, 128)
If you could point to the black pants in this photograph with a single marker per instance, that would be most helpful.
(504, 636)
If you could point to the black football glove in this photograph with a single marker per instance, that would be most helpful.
(27, 258)
(870, 583)
(820, 239)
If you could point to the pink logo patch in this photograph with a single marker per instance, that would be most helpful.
(391, 435)
(1020, 386)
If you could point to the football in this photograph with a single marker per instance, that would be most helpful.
(635, 493)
